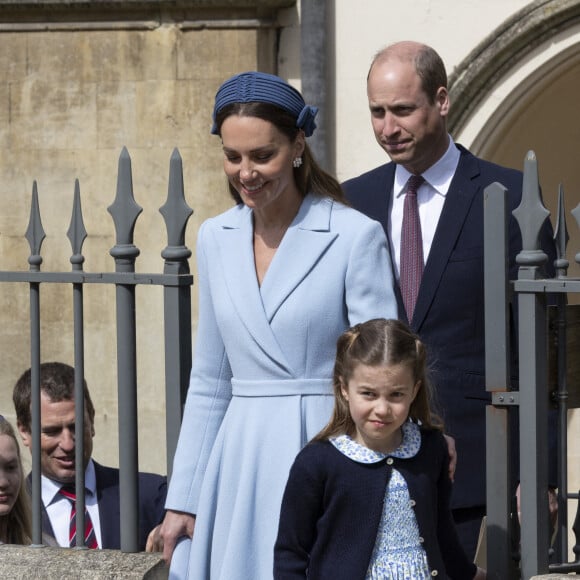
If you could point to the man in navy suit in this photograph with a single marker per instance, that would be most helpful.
(57, 408)
(409, 104)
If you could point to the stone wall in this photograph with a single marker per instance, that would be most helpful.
(42, 563)
(78, 81)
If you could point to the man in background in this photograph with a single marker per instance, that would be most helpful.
(57, 408)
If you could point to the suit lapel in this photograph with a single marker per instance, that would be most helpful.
(390, 180)
(458, 202)
(46, 523)
(109, 506)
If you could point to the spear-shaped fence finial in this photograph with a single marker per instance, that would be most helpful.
(531, 215)
(35, 232)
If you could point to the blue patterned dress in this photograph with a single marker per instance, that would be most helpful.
(398, 553)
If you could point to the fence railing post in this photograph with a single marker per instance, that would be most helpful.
(35, 236)
(500, 564)
(177, 306)
(77, 234)
(125, 211)
(532, 318)
(561, 265)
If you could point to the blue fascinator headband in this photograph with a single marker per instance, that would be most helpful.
(257, 87)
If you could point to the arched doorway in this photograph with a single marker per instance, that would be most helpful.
(519, 91)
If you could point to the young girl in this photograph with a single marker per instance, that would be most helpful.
(15, 519)
(368, 498)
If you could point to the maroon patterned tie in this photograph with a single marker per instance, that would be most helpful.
(90, 537)
(411, 247)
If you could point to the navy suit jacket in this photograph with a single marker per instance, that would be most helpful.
(449, 314)
(152, 492)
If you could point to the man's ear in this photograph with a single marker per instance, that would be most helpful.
(25, 436)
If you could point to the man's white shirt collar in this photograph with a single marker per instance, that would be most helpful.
(438, 176)
(50, 488)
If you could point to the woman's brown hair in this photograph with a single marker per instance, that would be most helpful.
(310, 177)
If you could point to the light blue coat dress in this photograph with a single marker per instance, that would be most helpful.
(261, 383)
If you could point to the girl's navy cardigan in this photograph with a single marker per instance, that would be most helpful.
(332, 508)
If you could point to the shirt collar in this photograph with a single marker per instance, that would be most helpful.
(409, 446)
(50, 488)
(438, 176)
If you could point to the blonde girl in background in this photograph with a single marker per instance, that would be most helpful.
(15, 518)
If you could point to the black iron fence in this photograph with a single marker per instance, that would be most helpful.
(176, 281)
(523, 545)
(513, 551)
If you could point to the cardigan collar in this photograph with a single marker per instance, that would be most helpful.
(409, 446)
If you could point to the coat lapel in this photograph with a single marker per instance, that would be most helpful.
(304, 243)
(234, 242)
(460, 198)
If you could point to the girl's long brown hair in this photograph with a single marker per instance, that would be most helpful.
(380, 342)
(16, 527)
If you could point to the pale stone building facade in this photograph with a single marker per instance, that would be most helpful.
(78, 81)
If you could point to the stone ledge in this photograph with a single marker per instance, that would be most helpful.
(44, 563)
(72, 4)
(34, 15)
(552, 577)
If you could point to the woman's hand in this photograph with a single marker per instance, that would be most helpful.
(175, 525)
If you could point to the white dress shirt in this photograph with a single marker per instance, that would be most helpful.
(430, 199)
(59, 507)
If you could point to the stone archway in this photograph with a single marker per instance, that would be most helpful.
(502, 50)
(519, 91)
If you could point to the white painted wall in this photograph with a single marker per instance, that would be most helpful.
(452, 28)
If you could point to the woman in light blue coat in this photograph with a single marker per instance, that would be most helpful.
(281, 275)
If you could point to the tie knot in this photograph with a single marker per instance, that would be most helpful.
(414, 183)
(69, 492)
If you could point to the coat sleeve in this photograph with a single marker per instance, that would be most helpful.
(301, 509)
(369, 278)
(208, 396)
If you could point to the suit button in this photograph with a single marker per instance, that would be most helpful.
(434, 573)
(412, 503)
(390, 461)
(421, 540)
